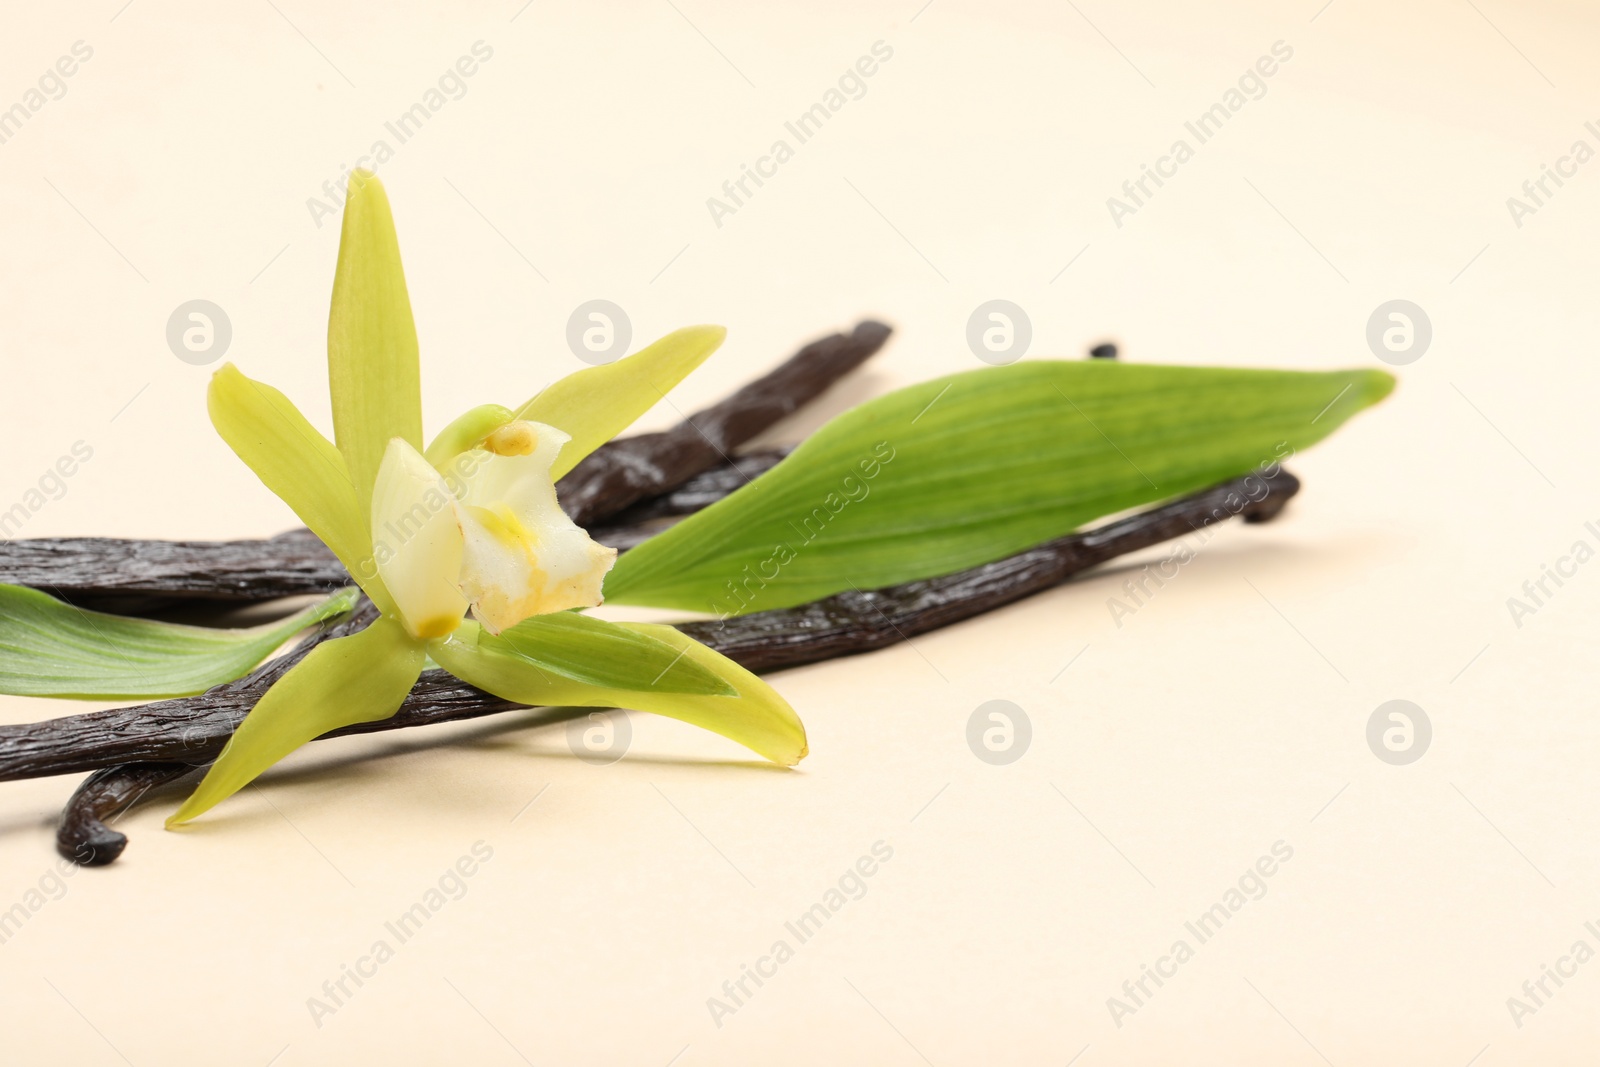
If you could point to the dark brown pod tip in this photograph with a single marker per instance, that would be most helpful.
(83, 836)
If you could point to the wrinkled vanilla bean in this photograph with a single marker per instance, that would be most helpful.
(653, 463)
(635, 525)
(702, 490)
(130, 577)
(193, 730)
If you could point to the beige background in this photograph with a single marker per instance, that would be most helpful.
(1173, 752)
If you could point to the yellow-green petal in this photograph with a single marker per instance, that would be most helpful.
(266, 430)
(756, 717)
(360, 678)
(594, 405)
(372, 341)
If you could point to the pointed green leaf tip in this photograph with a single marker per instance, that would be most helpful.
(963, 470)
(594, 405)
(372, 341)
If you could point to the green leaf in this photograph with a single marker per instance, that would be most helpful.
(594, 405)
(966, 469)
(756, 717)
(584, 649)
(360, 678)
(372, 341)
(52, 649)
(266, 430)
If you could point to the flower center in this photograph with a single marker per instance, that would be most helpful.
(438, 626)
(512, 439)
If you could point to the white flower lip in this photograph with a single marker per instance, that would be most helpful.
(491, 537)
(522, 555)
